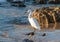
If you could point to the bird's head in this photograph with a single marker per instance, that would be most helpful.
(28, 11)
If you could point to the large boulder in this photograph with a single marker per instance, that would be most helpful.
(40, 1)
(18, 4)
(54, 2)
(9, 0)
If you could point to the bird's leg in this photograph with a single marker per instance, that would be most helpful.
(34, 30)
(34, 33)
(31, 34)
(30, 37)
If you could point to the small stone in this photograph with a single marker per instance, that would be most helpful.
(31, 33)
(44, 34)
(27, 40)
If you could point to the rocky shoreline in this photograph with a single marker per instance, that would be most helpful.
(48, 1)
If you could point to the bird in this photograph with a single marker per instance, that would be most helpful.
(33, 22)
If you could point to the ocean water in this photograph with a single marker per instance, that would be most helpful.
(13, 20)
(9, 13)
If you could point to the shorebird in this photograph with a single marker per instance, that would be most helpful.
(34, 23)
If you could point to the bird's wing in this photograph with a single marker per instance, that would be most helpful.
(34, 23)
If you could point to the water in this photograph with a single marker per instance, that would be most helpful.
(16, 33)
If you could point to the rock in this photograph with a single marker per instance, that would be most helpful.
(51, 1)
(9, 0)
(18, 4)
(44, 34)
(41, 1)
(54, 2)
(27, 40)
(31, 33)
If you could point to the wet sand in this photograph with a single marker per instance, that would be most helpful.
(16, 33)
(52, 33)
